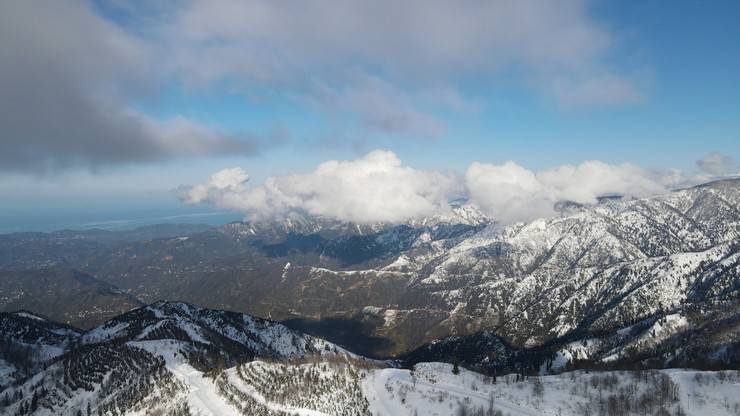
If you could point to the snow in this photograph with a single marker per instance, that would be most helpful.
(104, 333)
(433, 389)
(30, 316)
(372, 310)
(203, 398)
(659, 331)
(708, 397)
(561, 360)
(192, 331)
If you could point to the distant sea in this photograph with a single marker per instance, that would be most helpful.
(43, 220)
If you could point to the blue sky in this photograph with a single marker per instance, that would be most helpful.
(690, 103)
(201, 86)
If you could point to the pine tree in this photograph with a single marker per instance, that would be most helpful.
(34, 402)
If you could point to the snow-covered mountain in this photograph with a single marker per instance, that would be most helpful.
(126, 363)
(595, 269)
(173, 358)
(623, 283)
(458, 214)
(28, 341)
(227, 331)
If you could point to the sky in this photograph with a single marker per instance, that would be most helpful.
(130, 112)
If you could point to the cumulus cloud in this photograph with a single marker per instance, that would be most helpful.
(512, 193)
(67, 77)
(379, 188)
(717, 164)
(226, 180)
(374, 188)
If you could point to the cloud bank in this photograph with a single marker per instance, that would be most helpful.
(373, 188)
(512, 193)
(379, 188)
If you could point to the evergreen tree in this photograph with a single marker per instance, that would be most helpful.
(34, 402)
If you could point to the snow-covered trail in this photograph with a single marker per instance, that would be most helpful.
(203, 398)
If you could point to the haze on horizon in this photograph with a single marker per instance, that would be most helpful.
(126, 113)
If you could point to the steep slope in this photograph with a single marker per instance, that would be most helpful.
(603, 269)
(146, 359)
(27, 341)
(590, 270)
(173, 358)
(225, 332)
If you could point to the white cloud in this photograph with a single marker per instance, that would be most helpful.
(262, 39)
(226, 180)
(379, 188)
(718, 164)
(373, 188)
(402, 49)
(512, 193)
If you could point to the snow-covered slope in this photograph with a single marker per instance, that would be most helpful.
(435, 389)
(350, 388)
(593, 269)
(209, 327)
(27, 341)
(173, 358)
(150, 357)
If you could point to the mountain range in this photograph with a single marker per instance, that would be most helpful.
(618, 284)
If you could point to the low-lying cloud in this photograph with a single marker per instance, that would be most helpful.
(512, 193)
(373, 188)
(379, 188)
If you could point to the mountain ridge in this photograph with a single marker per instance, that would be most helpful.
(395, 288)
(171, 358)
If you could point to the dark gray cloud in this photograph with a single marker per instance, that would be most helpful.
(66, 77)
(717, 164)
